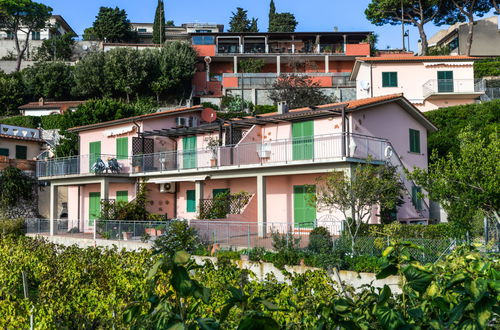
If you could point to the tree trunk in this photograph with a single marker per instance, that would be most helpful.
(423, 39)
(470, 35)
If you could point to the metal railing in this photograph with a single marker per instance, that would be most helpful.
(268, 79)
(83, 164)
(319, 148)
(445, 86)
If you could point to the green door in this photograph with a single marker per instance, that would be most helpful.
(94, 207)
(189, 151)
(304, 214)
(94, 153)
(445, 81)
(303, 140)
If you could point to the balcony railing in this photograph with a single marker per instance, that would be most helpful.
(95, 164)
(317, 149)
(447, 86)
(268, 79)
(320, 148)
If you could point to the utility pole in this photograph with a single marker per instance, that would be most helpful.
(403, 24)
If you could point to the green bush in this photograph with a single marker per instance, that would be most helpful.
(260, 109)
(52, 121)
(399, 231)
(178, 236)
(320, 240)
(485, 68)
(12, 227)
(228, 255)
(369, 264)
(324, 260)
(210, 105)
(23, 121)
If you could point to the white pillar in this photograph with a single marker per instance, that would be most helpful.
(261, 205)
(104, 188)
(278, 65)
(327, 63)
(235, 64)
(53, 208)
(198, 193)
(254, 96)
(293, 48)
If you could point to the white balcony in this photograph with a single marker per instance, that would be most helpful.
(452, 88)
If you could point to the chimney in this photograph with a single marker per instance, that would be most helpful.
(282, 107)
(41, 101)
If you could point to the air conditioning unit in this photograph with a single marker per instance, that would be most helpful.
(182, 121)
(167, 187)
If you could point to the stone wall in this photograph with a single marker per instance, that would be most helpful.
(24, 209)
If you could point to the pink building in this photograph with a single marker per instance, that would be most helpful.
(429, 82)
(272, 157)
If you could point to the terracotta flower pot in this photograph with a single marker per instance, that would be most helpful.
(151, 231)
(127, 235)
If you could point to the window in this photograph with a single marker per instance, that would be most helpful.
(4, 152)
(453, 44)
(415, 198)
(445, 81)
(142, 30)
(122, 196)
(203, 40)
(21, 152)
(122, 148)
(35, 35)
(203, 31)
(414, 141)
(389, 79)
(191, 201)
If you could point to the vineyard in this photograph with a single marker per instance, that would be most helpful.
(94, 288)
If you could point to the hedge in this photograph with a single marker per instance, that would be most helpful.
(46, 122)
(400, 231)
(487, 68)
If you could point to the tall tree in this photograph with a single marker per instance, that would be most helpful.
(454, 11)
(239, 22)
(52, 80)
(90, 78)
(112, 25)
(415, 12)
(496, 6)
(57, 48)
(272, 12)
(159, 24)
(23, 16)
(283, 22)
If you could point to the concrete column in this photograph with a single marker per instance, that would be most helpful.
(235, 64)
(278, 65)
(327, 63)
(345, 42)
(254, 96)
(293, 48)
(53, 209)
(198, 186)
(104, 188)
(261, 205)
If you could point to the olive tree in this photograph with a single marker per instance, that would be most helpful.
(355, 195)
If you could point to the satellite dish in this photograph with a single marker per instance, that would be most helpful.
(208, 115)
(208, 59)
(365, 84)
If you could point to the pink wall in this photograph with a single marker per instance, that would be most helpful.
(205, 50)
(362, 49)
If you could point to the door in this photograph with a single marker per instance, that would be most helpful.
(94, 207)
(303, 140)
(94, 153)
(445, 81)
(122, 196)
(189, 152)
(304, 214)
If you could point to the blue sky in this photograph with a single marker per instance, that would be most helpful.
(312, 15)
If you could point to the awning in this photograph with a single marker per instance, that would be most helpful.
(180, 179)
(119, 131)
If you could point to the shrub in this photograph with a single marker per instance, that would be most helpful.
(287, 249)
(320, 240)
(178, 236)
(488, 67)
(228, 255)
(52, 121)
(260, 109)
(399, 231)
(370, 264)
(23, 121)
(12, 227)
(210, 105)
(324, 260)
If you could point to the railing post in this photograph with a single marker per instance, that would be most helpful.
(95, 229)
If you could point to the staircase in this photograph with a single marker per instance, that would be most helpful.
(408, 184)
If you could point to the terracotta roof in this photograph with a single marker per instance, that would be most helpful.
(13, 137)
(406, 58)
(350, 105)
(135, 118)
(51, 105)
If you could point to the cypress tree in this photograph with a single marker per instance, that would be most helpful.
(159, 24)
(272, 12)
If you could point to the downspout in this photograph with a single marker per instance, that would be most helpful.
(371, 79)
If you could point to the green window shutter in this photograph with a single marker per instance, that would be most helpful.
(389, 79)
(394, 79)
(189, 151)
(21, 152)
(94, 152)
(94, 207)
(385, 79)
(445, 81)
(122, 196)
(414, 140)
(191, 201)
(4, 152)
(303, 140)
(415, 199)
(122, 148)
(304, 214)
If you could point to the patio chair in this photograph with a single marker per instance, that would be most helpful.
(99, 166)
(114, 166)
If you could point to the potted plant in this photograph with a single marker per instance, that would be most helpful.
(137, 163)
(213, 145)
(127, 235)
(160, 230)
(150, 231)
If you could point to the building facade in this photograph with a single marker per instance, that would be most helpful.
(275, 158)
(429, 82)
(46, 108)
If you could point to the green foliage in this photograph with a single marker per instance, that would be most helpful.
(12, 227)
(251, 65)
(12, 93)
(436, 51)
(397, 230)
(23, 121)
(320, 240)
(57, 48)
(51, 80)
(52, 121)
(369, 264)
(287, 249)
(16, 188)
(90, 77)
(467, 182)
(298, 91)
(239, 22)
(283, 22)
(178, 236)
(159, 24)
(210, 105)
(234, 104)
(111, 25)
(133, 210)
(482, 118)
(260, 109)
(223, 204)
(487, 67)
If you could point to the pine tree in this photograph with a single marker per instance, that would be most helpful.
(159, 24)
(272, 12)
(239, 22)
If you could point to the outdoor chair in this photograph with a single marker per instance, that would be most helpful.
(114, 166)
(99, 166)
